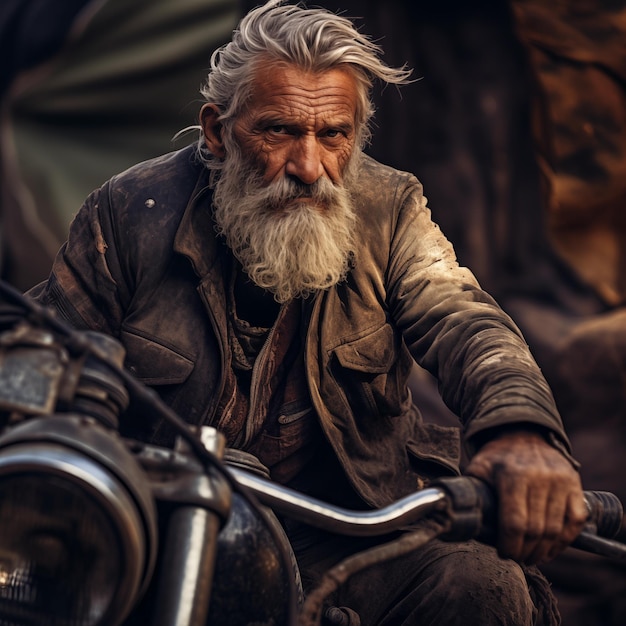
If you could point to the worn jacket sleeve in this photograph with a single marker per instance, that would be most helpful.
(85, 286)
(455, 330)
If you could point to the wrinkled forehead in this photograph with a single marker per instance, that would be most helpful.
(289, 89)
(270, 76)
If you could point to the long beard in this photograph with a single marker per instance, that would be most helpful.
(291, 239)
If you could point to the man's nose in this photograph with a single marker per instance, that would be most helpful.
(305, 162)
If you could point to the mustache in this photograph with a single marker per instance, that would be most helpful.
(298, 189)
(286, 190)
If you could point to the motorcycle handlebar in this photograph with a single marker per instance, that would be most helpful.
(338, 519)
(469, 503)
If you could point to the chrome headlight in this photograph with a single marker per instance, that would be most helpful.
(78, 525)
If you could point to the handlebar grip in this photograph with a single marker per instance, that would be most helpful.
(606, 512)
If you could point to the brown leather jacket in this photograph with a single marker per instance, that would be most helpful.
(143, 263)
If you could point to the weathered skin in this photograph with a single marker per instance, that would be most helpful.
(302, 124)
(538, 495)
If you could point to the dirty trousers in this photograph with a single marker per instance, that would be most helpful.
(441, 583)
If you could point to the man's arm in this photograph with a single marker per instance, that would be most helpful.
(488, 377)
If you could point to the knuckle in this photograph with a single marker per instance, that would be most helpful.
(535, 531)
(553, 530)
(515, 526)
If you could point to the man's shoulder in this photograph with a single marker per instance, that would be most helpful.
(381, 182)
(146, 203)
(162, 180)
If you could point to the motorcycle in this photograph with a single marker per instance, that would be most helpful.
(102, 530)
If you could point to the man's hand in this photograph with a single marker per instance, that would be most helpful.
(541, 508)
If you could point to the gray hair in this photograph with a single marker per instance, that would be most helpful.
(312, 39)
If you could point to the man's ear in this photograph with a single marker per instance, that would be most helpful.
(212, 129)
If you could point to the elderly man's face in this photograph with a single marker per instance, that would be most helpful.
(282, 199)
(299, 124)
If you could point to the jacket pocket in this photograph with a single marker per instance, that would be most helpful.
(372, 354)
(154, 363)
(365, 371)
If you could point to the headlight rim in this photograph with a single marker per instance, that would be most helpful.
(96, 460)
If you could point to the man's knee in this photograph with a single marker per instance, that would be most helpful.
(474, 583)
(448, 583)
(467, 584)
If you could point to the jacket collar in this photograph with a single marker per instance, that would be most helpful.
(196, 238)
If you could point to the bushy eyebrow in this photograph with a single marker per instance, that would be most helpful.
(277, 120)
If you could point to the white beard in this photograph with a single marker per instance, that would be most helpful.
(289, 246)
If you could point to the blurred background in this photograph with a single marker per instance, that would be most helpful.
(516, 127)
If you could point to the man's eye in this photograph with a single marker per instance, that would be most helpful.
(278, 129)
(333, 133)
